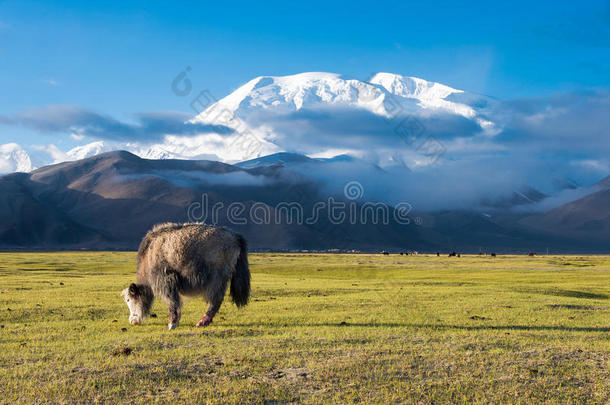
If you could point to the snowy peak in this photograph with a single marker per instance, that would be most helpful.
(294, 92)
(14, 159)
(282, 94)
(88, 150)
(261, 113)
(428, 94)
(412, 87)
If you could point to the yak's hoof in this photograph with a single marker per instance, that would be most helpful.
(171, 326)
(205, 321)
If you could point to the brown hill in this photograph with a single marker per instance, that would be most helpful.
(110, 200)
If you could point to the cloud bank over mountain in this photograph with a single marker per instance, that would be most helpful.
(80, 122)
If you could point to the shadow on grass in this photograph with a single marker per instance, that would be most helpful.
(565, 293)
(573, 306)
(435, 326)
(577, 294)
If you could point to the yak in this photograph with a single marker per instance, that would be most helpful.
(191, 259)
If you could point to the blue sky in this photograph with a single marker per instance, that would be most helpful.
(118, 59)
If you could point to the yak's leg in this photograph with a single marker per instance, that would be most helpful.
(174, 304)
(171, 296)
(215, 293)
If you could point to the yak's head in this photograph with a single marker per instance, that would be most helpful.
(139, 300)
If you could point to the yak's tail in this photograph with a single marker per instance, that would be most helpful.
(240, 282)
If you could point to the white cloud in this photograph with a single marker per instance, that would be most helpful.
(330, 153)
(598, 165)
(51, 82)
(56, 154)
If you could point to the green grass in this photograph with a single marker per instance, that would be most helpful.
(319, 328)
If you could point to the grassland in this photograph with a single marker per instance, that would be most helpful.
(320, 328)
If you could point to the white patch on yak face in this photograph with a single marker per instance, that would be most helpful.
(135, 307)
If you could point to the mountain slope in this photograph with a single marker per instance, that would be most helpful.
(586, 219)
(28, 220)
(604, 183)
(109, 201)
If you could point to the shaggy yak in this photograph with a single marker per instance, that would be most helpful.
(176, 260)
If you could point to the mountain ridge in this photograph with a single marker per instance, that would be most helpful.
(109, 201)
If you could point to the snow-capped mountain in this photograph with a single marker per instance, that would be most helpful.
(315, 113)
(433, 95)
(88, 150)
(312, 89)
(271, 114)
(49, 154)
(14, 159)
